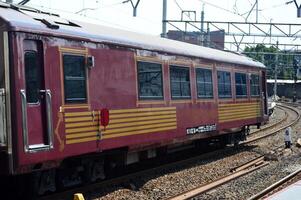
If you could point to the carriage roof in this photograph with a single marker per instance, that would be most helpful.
(26, 19)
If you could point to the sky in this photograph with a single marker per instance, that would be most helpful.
(118, 14)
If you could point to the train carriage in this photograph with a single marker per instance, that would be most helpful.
(75, 94)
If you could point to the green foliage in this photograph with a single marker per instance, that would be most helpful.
(268, 56)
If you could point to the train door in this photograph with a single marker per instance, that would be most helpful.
(36, 100)
(264, 93)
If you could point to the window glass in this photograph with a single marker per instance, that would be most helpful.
(204, 83)
(224, 84)
(255, 88)
(241, 84)
(74, 79)
(150, 83)
(180, 82)
(32, 77)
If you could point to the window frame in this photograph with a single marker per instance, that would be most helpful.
(246, 85)
(259, 85)
(170, 82)
(86, 78)
(196, 81)
(217, 82)
(38, 102)
(138, 83)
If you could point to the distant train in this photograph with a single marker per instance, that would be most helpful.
(79, 99)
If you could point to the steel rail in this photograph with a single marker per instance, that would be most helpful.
(275, 185)
(237, 171)
(246, 168)
(279, 129)
(272, 125)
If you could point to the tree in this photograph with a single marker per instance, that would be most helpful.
(268, 56)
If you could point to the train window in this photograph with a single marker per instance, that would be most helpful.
(204, 83)
(150, 85)
(241, 85)
(255, 88)
(224, 84)
(180, 82)
(32, 77)
(74, 79)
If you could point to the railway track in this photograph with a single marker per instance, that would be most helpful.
(271, 125)
(286, 181)
(239, 171)
(276, 124)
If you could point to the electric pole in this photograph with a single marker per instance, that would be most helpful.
(202, 26)
(275, 76)
(135, 6)
(164, 18)
(256, 11)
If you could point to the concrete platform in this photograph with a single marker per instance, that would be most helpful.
(292, 192)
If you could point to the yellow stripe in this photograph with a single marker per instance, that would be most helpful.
(77, 130)
(81, 135)
(81, 119)
(234, 110)
(139, 132)
(82, 140)
(241, 118)
(73, 125)
(140, 123)
(78, 114)
(150, 102)
(74, 107)
(115, 121)
(142, 114)
(238, 117)
(238, 112)
(180, 101)
(107, 132)
(236, 107)
(79, 51)
(141, 110)
(238, 104)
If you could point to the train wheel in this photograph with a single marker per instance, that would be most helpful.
(94, 170)
(45, 182)
(68, 176)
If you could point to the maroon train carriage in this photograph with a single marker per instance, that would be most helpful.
(77, 97)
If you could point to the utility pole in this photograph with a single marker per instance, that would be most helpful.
(135, 6)
(202, 25)
(256, 11)
(276, 72)
(164, 18)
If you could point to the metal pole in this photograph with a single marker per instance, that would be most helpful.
(208, 38)
(256, 11)
(202, 26)
(276, 71)
(164, 18)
